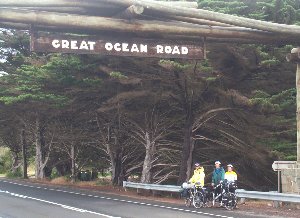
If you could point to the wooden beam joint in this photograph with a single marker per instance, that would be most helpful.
(294, 56)
(131, 12)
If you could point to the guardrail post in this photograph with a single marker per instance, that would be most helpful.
(276, 204)
(242, 200)
(124, 185)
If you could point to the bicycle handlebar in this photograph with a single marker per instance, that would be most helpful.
(221, 183)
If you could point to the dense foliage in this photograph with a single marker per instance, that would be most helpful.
(278, 95)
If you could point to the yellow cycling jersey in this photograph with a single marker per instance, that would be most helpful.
(230, 176)
(198, 176)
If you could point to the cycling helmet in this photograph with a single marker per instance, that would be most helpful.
(229, 165)
(217, 162)
(197, 165)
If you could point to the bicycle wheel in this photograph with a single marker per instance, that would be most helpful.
(188, 202)
(231, 201)
(198, 200)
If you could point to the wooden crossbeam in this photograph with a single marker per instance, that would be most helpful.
(199, 21)
(86, 3)
(138, 26)
(209, 15)
(55, 29)
(166, 9)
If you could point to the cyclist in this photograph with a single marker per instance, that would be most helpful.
(218, 177)
(197, 179)
(231, 177)
(199, 175)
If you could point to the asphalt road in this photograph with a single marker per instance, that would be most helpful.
(21, 199)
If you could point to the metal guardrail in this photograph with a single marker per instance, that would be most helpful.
(166, 188)
(270, 196)
(241, 193)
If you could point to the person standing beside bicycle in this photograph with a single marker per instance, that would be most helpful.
(198, 176)
(231, 178)
(218, 176)
(197, 179)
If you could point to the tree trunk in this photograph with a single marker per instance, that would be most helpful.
(116, 170)
(113, 170)
(190, 159)
(187, 143)
(116, 164)
(63, 168)
(15, 162)
(121, 176)
(24, 153)
(39, 146)
(148, 161)
(73, 170)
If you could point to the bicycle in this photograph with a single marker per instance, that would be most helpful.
(196, 196)
(229, 198)
(227, 195)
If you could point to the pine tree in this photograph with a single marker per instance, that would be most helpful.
(279, 11)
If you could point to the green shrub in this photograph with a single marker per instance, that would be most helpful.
(118, 75)
(16, 174)
(54, 173)
(5, 160)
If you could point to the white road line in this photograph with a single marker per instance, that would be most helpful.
(61, 205)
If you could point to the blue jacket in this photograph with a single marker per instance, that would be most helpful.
(218, 175)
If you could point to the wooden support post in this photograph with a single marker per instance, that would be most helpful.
(295, 57)
(279, 181)
(33, 36)
(298, 110)
(204, 47)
